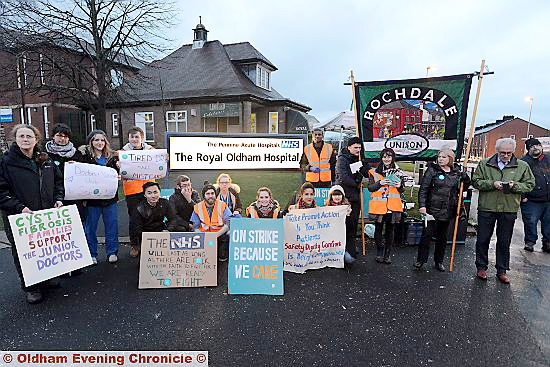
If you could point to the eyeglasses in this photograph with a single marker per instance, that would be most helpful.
(337, 194)
(505, 153)
(29, 137)
(61, 136)
(224, 182)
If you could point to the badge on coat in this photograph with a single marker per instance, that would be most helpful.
(441, 177)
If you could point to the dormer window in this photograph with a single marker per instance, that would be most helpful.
(263, 77)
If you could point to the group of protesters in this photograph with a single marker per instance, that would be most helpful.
(504, 182)
(31, 179)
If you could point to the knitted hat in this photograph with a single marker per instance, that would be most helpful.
(530, 142)
(336, 188)
(93, 133)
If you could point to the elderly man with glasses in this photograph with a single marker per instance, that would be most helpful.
(501, 180)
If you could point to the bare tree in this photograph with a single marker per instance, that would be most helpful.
(103, 41)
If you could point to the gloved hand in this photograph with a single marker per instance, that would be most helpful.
(314, 169)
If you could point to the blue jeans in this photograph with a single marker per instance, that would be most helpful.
(531, 213)
(110, 221)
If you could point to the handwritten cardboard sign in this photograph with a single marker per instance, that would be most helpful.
(49, 243)
(89, 181)
(256, 256)
(147, 164)
(315, 238)
(178, 259)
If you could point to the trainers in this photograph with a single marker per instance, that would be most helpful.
(134, 251)
(482, 274)
(113, 258)
(379, 259)
(348, 259)
(546, 246)
(528, 248)
(439, 267)
(34, 297)
(418, 264)
(387, 260)
(94, 261)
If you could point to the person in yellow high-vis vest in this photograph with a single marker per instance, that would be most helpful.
(319, 161)
(212, 215)
(385, 205)
(133, 189)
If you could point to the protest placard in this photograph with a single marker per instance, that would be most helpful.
(256, 256)
(315, 238)
(49, 243)
(178, 259)
(321, 195)
(147, 164)
(89, 181)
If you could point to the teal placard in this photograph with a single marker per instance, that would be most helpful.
(321, 195)
(256, 256)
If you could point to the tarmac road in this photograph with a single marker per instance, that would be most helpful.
(373, 315)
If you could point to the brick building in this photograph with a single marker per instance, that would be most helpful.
(205, 87)
(485, 137)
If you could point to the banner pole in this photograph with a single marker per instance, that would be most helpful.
(466, 158)
(362, 212)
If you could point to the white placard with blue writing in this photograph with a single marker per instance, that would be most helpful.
(315, 238)
(146, 164)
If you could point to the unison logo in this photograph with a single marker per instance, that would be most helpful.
(407, 144)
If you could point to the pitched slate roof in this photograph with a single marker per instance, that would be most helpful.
(199, 73)
(244, 52)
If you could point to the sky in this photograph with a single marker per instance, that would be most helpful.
(315, 44)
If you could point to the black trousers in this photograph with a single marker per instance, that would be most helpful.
(437, 229)
(352, 221)
(384, 248)
(485, 226)
(132, 202)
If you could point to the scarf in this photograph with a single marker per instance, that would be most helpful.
(65, 151)
(303, 205)
(266, 210)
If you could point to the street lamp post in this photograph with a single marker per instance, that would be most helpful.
(530, 100)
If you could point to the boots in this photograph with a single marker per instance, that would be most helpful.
(546, 246)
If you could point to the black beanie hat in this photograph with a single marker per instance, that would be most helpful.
(530, 142)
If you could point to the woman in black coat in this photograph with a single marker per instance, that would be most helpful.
(29, 180)
(438, 196)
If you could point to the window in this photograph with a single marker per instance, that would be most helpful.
(176, 121)
(146, 121)
(22, 64)
(92, 122)
(46, 123)
(41, 70)
(29, 116)
(262, 77)
(117, 78)
(513, 137)
(114, 120)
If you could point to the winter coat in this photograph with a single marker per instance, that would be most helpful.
(60, 160)
(541, 170)
(147, 218)
(350, 181)
(439, 191)
(88, 157)
(35, 183)
(234, 191)
(182, 207)
(493, 200)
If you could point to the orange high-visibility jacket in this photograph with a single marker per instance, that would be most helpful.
(253, 213)
(214, 223)
(386, 198)
(323, 162)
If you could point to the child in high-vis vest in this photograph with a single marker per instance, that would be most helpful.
(385, 205)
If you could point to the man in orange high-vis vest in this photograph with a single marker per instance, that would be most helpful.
(212, 215)
(319, 161)
(133, 189)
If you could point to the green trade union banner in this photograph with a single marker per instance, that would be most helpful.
(414, 117)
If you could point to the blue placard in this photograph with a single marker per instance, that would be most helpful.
(366, 199)
(321, 195)
(6, 118)
(166, 193)
(256, 256)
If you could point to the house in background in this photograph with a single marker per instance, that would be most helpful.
(485, 137)
(39, 76)
(206, 87)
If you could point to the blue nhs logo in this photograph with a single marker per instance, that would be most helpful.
(290, 144)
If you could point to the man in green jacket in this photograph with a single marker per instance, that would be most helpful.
(500, 179)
